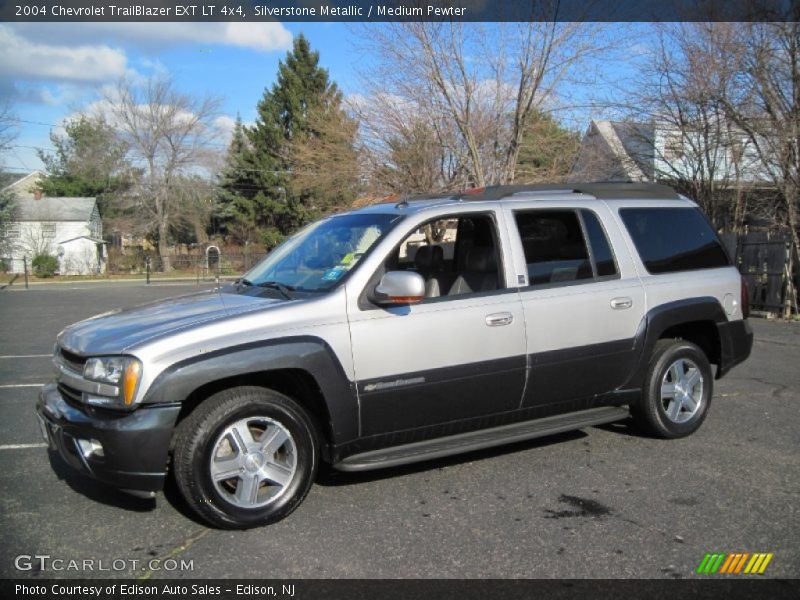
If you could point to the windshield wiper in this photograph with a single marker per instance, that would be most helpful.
(285, 290)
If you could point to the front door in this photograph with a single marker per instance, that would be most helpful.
(458, 354)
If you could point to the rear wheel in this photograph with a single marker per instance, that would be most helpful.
(245, 457)
(677, 390)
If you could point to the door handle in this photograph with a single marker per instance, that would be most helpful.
(499, 319)
(621, 303)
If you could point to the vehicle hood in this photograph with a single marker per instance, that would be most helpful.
(119, 330)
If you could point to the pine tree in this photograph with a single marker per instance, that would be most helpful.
(260, 178)
(89, 161)
(235, 210)
(547, 150)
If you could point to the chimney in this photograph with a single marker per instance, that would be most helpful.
(37, 194)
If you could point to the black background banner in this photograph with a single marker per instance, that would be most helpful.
(732, 588)
(402, 10)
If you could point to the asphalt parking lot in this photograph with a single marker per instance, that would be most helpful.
(599, 503)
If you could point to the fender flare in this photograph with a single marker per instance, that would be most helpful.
(308, 353)
(660, 318)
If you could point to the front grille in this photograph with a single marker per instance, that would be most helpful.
(70, 394)
(71, 360)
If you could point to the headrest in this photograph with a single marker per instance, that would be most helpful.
(429, 257)
(481, 259)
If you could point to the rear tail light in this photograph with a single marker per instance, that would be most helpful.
(745, 299)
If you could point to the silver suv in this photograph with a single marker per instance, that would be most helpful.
(404, 332)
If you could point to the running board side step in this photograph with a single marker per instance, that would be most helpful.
(478, 440)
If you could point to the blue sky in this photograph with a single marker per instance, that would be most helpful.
(51, 70)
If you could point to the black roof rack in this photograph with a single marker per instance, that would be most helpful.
(403, 201)
(606, 190)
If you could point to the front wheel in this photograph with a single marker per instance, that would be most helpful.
(245, 457)
(677, 390)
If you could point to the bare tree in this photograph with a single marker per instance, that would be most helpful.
(753, 71)
(475, 89)
(8, 133)
(8, 124)
(680, 125)
(169, 135)
(323, 157)
(195, 195)
(404, 152)
(37, 238)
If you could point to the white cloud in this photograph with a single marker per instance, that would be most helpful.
(26, 59)
(260, 36)
(225, 124)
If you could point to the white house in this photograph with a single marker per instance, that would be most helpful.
(654, 151)
(67, 228)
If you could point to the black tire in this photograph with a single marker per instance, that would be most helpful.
(199, 439)
(651, 412)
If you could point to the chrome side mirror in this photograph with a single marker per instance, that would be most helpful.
(400, 287)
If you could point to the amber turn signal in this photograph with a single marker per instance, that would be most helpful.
(132, 373)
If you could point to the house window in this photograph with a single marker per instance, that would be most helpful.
(737, 151)
(673, 147)
(48, 230)
(12, 231)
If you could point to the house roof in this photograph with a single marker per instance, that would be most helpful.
(26, 185)
(84, 237)
(633, 145)
(618, 149)
(55, 209)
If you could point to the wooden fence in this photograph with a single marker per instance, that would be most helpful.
(765, 261)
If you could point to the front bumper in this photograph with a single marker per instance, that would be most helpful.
(736, 341)
(135, 444)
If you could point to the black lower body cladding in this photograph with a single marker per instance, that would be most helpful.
(135, 445)
(736, 341)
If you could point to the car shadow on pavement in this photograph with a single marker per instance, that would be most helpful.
(328, 476)
(95, 490)
(626, 427)
(173, 495)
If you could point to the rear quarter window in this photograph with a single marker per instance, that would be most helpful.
(673, 239)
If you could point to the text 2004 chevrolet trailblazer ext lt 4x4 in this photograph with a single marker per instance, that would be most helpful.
(363, 343)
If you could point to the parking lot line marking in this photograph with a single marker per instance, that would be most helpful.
(21, 385)
(22, 446)
(26, 355)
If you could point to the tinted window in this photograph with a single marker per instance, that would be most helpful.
(555, 250)
(673, 239)
(601, 249)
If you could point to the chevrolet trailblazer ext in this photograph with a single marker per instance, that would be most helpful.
(364, 343)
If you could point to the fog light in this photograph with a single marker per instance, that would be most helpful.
(90, 448)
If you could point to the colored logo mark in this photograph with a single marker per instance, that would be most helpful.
(735, 563)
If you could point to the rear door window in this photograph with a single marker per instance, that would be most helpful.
(554, 246)
(598, 241)
(674, 239)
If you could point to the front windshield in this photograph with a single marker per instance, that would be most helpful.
(318, 256)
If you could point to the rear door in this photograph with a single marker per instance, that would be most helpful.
(582, 300)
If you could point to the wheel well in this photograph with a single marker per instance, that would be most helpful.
(702, 333)
(298, 384)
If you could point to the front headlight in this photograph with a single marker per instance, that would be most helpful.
(123, 372)
(105, 369)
